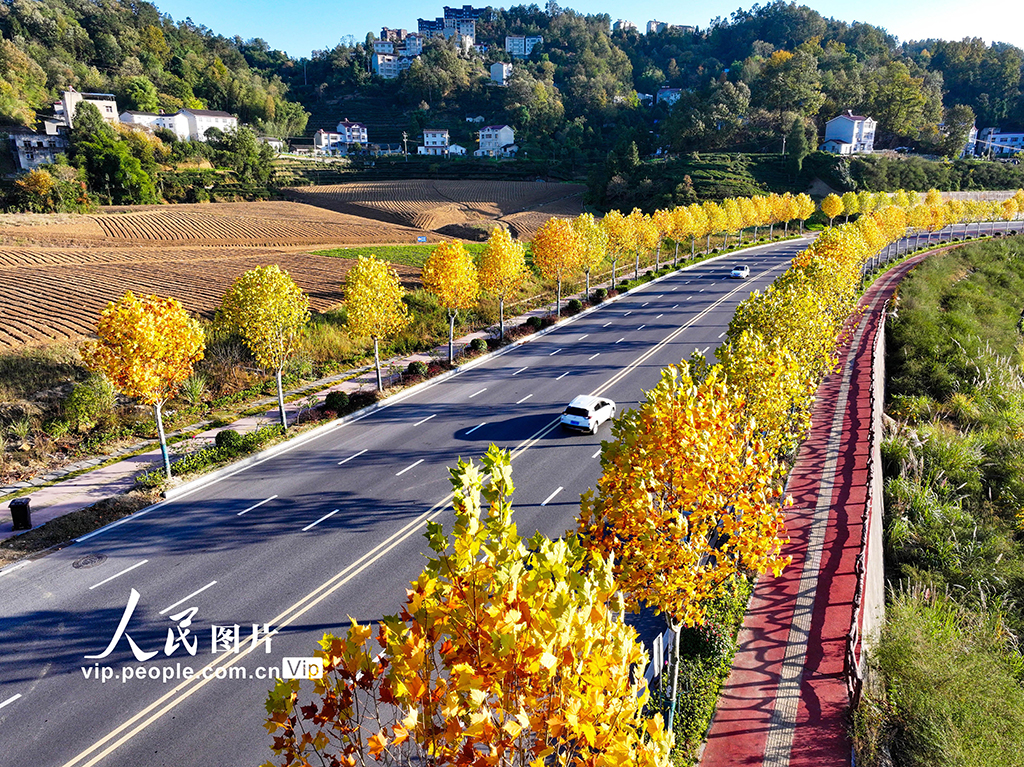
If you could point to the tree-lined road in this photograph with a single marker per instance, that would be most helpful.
(328, 529)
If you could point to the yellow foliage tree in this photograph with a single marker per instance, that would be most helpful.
(451, 275)
(557, 252)
(665, 225)
(146, 347)
(374, 300)
(593, 243)
(805, 209)
(644, 234)
(832, 206)
(269, 311)
(507, 652)
(620, 238)
(851, 204)
(502, 269)
(683, 226)
(717, 220)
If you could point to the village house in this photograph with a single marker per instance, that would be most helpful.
(500, 72)
(522, 46)
(999, 142)
(497, 141)
(435, 142)
(186, 124)
(849, 134)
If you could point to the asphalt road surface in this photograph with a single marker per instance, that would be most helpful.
(326, 530)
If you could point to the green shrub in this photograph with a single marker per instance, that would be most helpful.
(88, 401)
(478, 344)
(417, 368)
(575, 306)
(228, 438)
(534, 322)
(599, 295)
(337, 401)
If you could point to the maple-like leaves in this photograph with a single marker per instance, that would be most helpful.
(146, 347)
(374, 303)
(269, 311)
(507, 652)
(502, 268)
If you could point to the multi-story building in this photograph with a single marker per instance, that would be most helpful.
(497, 141)
(999, 142)
(394, 35)
(186, 124)
(669, 96)
(654, 27)
(435, 142)
(522, 45)
(849, 134)
(33, 149)
(390, 66)
(500, 72)
(352, 133)
(64, 110)
(409, 46)
(623, 26)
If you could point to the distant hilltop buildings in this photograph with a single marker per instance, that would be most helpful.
(654, 27)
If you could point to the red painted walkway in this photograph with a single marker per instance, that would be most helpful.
(778, 712)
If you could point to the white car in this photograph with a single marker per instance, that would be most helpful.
(587, 413)
(740, 272)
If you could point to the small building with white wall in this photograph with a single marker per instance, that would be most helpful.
(849, 134)
(500, 72)
(435, 142)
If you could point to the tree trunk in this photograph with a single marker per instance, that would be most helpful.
(501, 318)
(709, 245)
(771, 232)
(801, 227)
(675, 259)
(675, 681)
(636, 267)
(376, 360)
(588, 285)
(280, 400)
(558, 299)
(657, 257)
(451, 336)
(725, 242)
(693, 247)
(614, 262)
(158, 407)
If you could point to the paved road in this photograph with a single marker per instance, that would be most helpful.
(329, 529)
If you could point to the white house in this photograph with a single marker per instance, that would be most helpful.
(1001, 143)
(273, 142)
(669, 96)
(435, 142)
(849, 134)
(64, 110)
(33, 149)
(390, 66)
(654, 27)
(186, 124)
(326, 142)
(457, 150)
(623, 26)
(352, 133)
(496, 141)
(522, 45)
(500, 72)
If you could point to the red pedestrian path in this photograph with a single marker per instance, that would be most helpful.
(785, 703)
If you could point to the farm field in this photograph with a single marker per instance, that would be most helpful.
(435, 205)
(60, 271)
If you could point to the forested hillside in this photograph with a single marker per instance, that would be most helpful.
(129, 49)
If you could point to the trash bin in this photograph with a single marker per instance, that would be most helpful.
(21, 514)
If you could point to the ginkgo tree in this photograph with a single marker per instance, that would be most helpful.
(269, 311)
(374, 300)
(502, 269)
(451, 275)
(557, 253)
(146, 347)
(507, 652)
(593, 244)
(832, 206)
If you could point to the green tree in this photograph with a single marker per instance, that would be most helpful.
(269, 311)
(140, 94)
(796, 146)
(957, 124)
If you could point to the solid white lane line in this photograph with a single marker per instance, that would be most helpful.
(181, 601)
(606, 324)
(413, 466)
(478, 392)
(628, 313)
(524, 367)
(10, 700)
(641, 327)
(475, 428)
(551, 496)
(560, 377)
(659, 316)
(520, 402)
(592, 356)
(621, 339)
(595, 455)
(325, 516)
(350, 458)
(265, 500)
(583, 336)
(116, 575)
(424, 420)
(556, 351)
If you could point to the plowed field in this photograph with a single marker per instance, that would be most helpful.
(57, 295)
(432, 205)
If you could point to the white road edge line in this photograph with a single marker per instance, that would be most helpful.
(10, 700)
(265, 500)
(413, 466)
(325, 516)
(353, 456)
(117, 575)
(551, 496)
(475, 428)
(478, 392)
(424, 420)
(524, 399)
(524, 367)
(194, 593)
